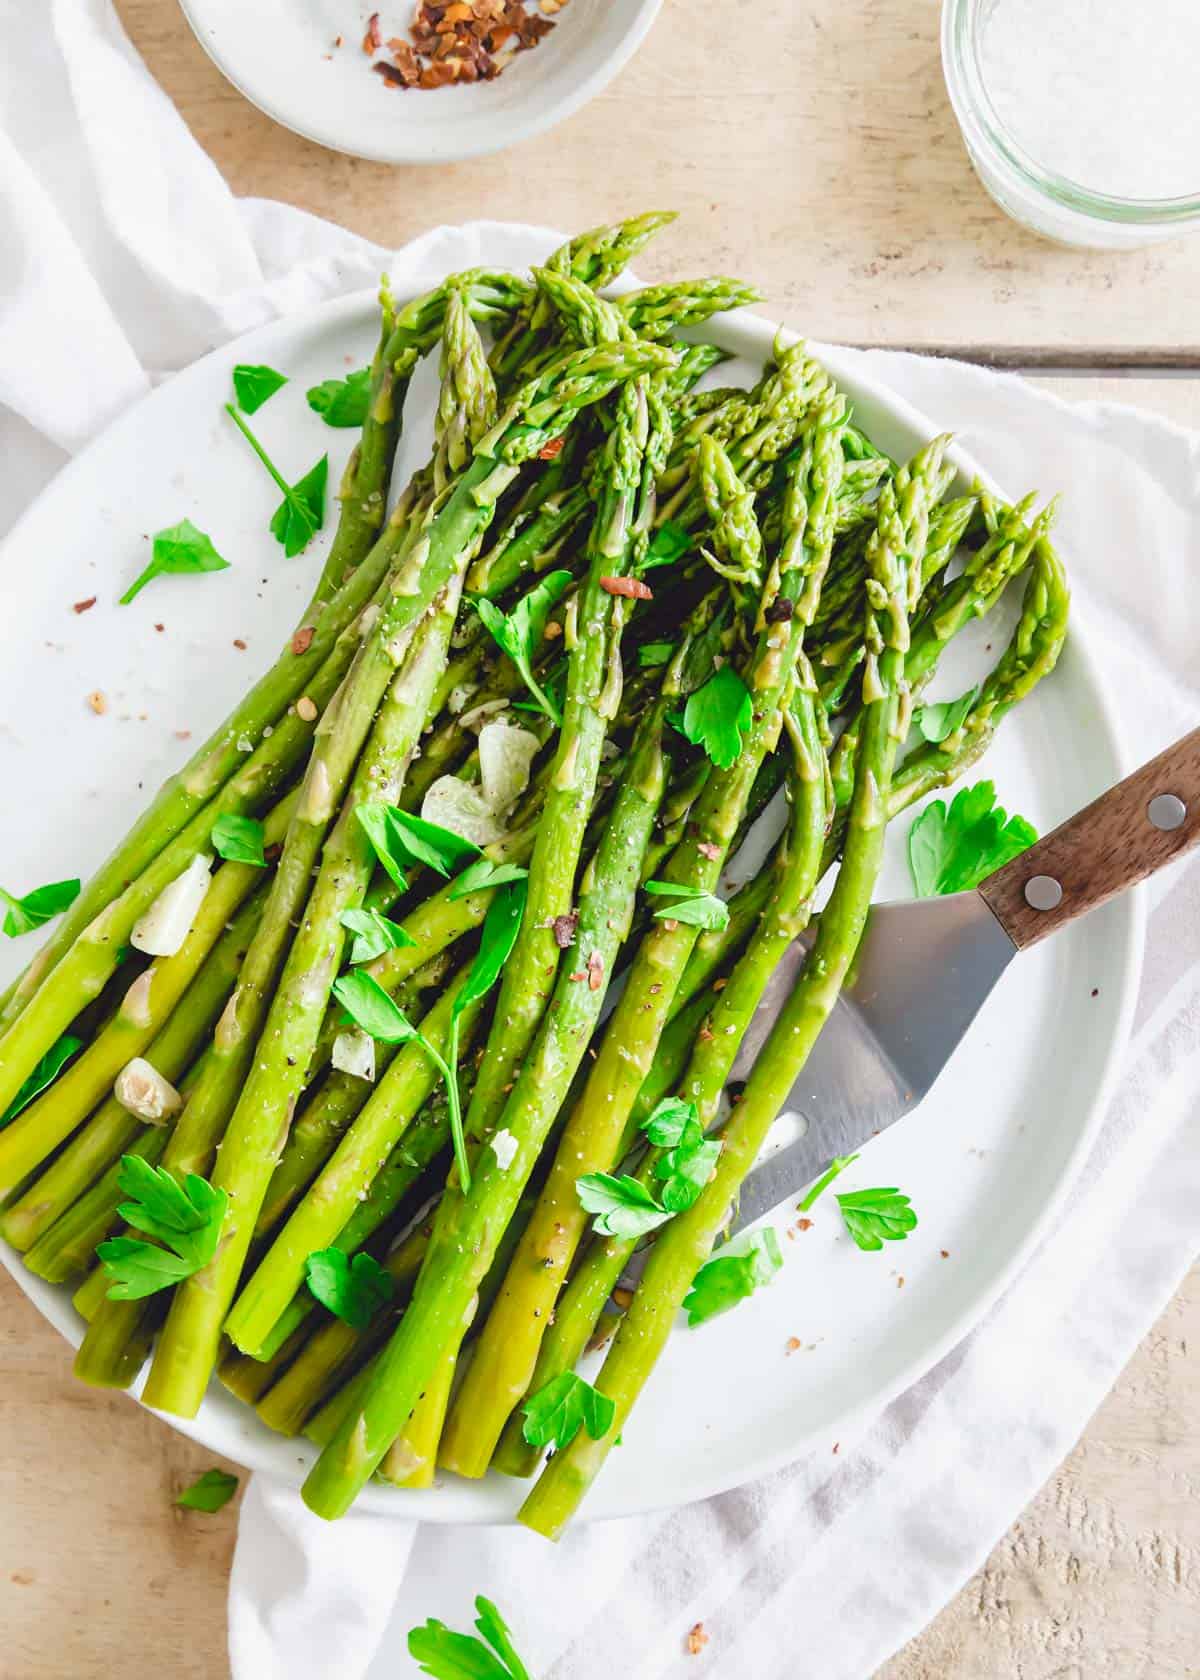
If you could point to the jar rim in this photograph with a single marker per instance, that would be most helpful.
(984, 130)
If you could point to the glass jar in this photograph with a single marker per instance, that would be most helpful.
(1075, 113)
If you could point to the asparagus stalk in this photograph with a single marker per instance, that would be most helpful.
(470, 1226)
(686, 1242)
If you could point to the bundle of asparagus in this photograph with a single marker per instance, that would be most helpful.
(342, 1137)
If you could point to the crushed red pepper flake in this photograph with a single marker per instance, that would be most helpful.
(631, 587)
(239, 644)
(595, 971)
(804, 1224)
(302, 640)
(945, 1253)
(564, 929)
(708, 849)
(84, 606)
(373, 39)
(98, 701)
(552, 450)
(460, 42)
(579, 974)
(697, 1639)
(793, 1344)
(160, 628)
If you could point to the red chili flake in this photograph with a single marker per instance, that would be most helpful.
(579, 974)
(391, 73)
(780, 611)
(595, 971)
(160, 628)
(708, 849)
(84, 606)
(373, 39)
(836, 1445)
(804, 1224)
(704, 1034)
(183, 734)
(302, 640)
(634, 588)
(552, 450)
(793, 1344)
(337, 40)
(720, 985)
(697, 1639)
(945, 1253)
(900, 1283)
(564, 929)
(273, 853)
(239, 643)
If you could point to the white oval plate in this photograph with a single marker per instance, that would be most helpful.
(280, 54)
(985, 1159)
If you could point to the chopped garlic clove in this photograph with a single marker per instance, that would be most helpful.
(460, 807)
(354, 1053)
(165, 926)
(504, 1147)
(505, 756)
(143, 1091)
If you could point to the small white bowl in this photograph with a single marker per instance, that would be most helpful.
(280, 54)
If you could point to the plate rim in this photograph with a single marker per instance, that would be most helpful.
(757, 334)
(539, 120)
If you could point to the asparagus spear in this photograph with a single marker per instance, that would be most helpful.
(684, 1244)
(504, 1364)
(470, 1226)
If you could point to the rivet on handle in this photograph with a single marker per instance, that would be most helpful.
(1166, 811)
(1043, 892)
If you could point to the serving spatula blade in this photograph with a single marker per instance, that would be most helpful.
(923, 971)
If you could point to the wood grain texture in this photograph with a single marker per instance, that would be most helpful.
(810, 148)
(1104, 849)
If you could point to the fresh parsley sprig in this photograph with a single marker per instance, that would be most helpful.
(952, 850)
(693, 905)
(835, 1168)
(253, 386)
(497, 938)
(399, 840)
(185, 1219)
(301, 513)
(717, 716)
(239, 839)
(874, 1217)
(41, 905)
(342, 402)
(373, 934)
(689, 1158)
(209, 1492)
(729, 1277)
(668, 544)
(483, 874)
(176, 551)
(557, 1412)
(447, 1655)
(520, 632)
(622, 1206)
(44, 1074)
(351, 1289)
(942, 718)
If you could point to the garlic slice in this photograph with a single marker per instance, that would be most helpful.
(166, 924)
(506, 754)
(143, 1091)
(354, 1053)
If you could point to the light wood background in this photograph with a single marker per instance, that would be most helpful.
(811, 149)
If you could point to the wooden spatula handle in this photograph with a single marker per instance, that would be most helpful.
(1135, 828)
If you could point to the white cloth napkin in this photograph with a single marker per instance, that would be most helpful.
(122, 257)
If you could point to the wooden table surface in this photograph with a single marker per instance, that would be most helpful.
(811, 149)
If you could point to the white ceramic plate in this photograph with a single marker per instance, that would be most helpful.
(280, 54)
(986, 1157)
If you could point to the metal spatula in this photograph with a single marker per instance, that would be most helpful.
(925, 967)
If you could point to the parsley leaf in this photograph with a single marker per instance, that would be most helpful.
(943, 717)
(370, 1007)
(186, 1218)
(623, 1207)
(653, 654)
(557, 1412)
(301, 513)
(954, 850)
(668, 1123)
(38, 906)
(874, 1217)
(399, 839)
(342, 402)
(373, 935)
(696, 907)
(177, 549)
(520, 632)
(253, 386)
(668, 544)
(447, 1655)
(731, 1276)
(352, 1290)
(836, 1166)
(44, 1074)
(483, 874)
(209, 1491)
(239, 839)
(717, 715)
